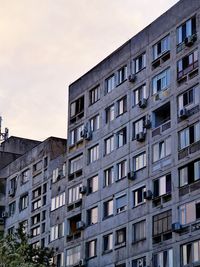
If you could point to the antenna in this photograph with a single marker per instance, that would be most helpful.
(3, 136)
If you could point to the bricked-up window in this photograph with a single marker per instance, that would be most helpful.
(95, 123)
(122, 169)
(162, 225)
(57, 231)
(162, 185)
(187, 64)
(94, 95)
(121, 204)
(75, 135)
(189, 212)
(138, 127)
(139, 63)
(163, 258)
(92, 216)
(76, 164)
(93, 153)
(110, 113)
(161, 81)
(109, 145)
(91, 249)
(138, 196)
(110, 83)
(139, 94)
(161, 47)
(162, 149)
(107, 242)
(139, 231)
(139, 161)
(122, 74)
(73, 256)
(188, 98)
(190, 173)
(121, 106)
(187, 29)
(189, 135)
(108, 208)
(74, 194)
(140, 262)
(77, 108)
(23, 202)
(121, 137)
(93, 184)
(109, 176)
(121, 237)
(190, 255)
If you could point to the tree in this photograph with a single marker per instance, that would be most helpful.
(15, 251)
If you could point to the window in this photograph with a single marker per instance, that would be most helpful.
(121, 169)
(162, 115)
(94, 95)
(187, 64)
(162, 149)
(55, 175)
(107, 242)
(190, 173)
(108, 208)
(162, 186)
(140, 262)
(138, 196)
(73, 256)
(189, 135)
(187, 29)
(95, 123)
(163, 259)
(13, 184)
(139, 63)
(161, 47)
(122, 106)
(139, 161)
(57, 231)
(161, 81)
(121, 204)
(76, 164)
(59, 259)
(36, 204)
(190, 212)
(139, 94)
(35, 231)
(25, 176)
(190, 253)
(138, 127)
(93, 153)
(122, 74)
(12, 207)
(121, 236)
(77, 109)
(121, 137)
(109, 145)
(110, 83)
(91, 248)
(109, 176)
(92, 184)
(58, 201)
(24, 226)
(92, 216)
(37, 166)
(36, 193)
(75, 135)
(188, 98)
(110, 113)
(162, 223)
(23, 202)
(35, 219)
(74, 194)
(139, 231)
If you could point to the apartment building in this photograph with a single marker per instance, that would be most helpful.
(33, 192)
(133, 175)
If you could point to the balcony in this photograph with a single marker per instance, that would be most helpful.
(189, 150)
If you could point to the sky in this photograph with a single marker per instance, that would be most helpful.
(47, 44)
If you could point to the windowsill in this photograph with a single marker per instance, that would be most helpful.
(138, 241)
(140, 70)
(140, 169)
(93, 257)
(91, 104)
(160, 160)
(161, 91)
(118, 180)
(121, 211)
(139, 205)
(119, 115)
(121, 245)
(121, 82)
(92, 224)
(107, 252)
(107, 217)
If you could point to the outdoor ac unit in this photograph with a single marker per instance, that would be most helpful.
(88, 136)
(140, 137)
(131, 175)
(12, 192)
(82, 189)
(82, 262)
(189, 41)
(4, 214)
(80, 225)
(132, 78)
(183, 113)
(83, 133)
(143, 103)
(176, 227)
(148, 195)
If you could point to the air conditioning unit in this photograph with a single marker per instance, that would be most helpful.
(140, 137)
(148, 195)
(82, 189)
(132, 78)
(147, 124)
(176, 227)
(80, 225)
(4, 214)
(88, 136)
(183, 114)
(189, 41)
(131, 175)
(142, 103)
(12, 192)
(82, 262)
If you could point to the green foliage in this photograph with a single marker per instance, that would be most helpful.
(15, 251)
